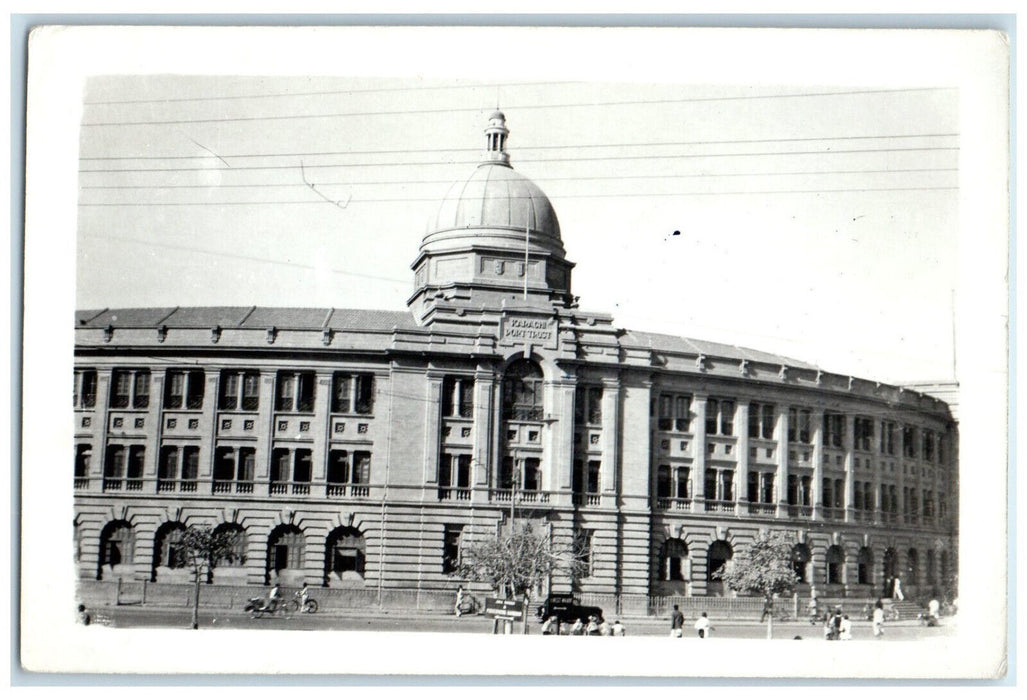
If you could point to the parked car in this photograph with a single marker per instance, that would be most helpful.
(566, 609)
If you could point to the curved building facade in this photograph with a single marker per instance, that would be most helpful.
(362, 449)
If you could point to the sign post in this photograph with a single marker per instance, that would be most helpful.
(504, 609)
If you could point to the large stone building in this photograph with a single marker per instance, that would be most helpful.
(360, 448)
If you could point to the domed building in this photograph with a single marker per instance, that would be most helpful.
(360, 449)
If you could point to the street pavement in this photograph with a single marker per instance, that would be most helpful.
(398, 621)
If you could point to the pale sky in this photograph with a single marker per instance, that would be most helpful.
(815, 221)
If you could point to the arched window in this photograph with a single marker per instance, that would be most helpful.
(522, 391)
(344, 555)
(835, 564)
(236, 535)
(865, 566)
(117, 544)
(912, 567)
(285, 550)
(800, 560)
(673, 557)
(719, 555)
(168, 550)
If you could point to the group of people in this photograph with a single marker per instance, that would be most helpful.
(702, 625)
(594, 627)
(837, 626)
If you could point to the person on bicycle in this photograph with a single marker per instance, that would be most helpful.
(304, 594)
(273, 598)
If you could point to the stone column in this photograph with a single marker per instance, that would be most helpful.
(432, 430)
(817, 418)
(878, 470)
(781, 434)
(558, 456)
(742, 470)
(850, 446)
(485, 420)
(611, 429)
(265, 418)
(699, 464)
(100, 429)
(321, 425)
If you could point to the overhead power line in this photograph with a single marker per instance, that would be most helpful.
(317, 93)
(654, 144)
(665, 176)
(567, 159)
(565, 105)
(572, 196)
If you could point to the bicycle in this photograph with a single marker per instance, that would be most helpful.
(298, 605)
(258, 608)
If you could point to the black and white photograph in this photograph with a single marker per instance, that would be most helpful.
(440, 344)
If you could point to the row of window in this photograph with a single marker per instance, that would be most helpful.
(675, 483)
(673, 412)
(237, 390)
(234, 467)
(674, 565)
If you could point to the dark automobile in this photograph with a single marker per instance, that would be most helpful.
(566, 609)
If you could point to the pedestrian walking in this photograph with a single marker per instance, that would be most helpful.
(578, 628)
(677, 623)
(845, 630)
(618, 629)
(551, 626)
(605, 629)
(768, 609)
(878, 619)
(897, 589)
(592, 628)
(703, 627)
(458, 606)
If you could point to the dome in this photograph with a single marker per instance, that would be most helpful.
(495, 196)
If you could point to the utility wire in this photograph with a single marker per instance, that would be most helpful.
(237, 256)
(565, 105)
(354, 91)
(572, 196)
(567, 159)
(670, 176)
(654, 144)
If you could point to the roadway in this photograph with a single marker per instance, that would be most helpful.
(370, 621)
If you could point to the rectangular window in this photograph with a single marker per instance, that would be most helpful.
(338, 467)
(720, 417)
(752, 492)
(458, 397)
(183, 389)
(799, 422)
(130, 388)
(928, 445)
(364, 402)
(342, 389)
(857, 495)
(666, 416)
(761, 421)
(663, 481)
(593, 476)
(710, 485)
(682, 413)
(362, 468)
(863, 433)
(825, 493)
(83, 458)
(280, 466)
(683, 483)
(239, 389)
(451, 548)
(506, 473)
(588, 405)
(294, 392)
(834, 430)
(909, 441)
(767, 487)
(303, 466)
(839, 493)
(887, 438)
(85, 388)
(532, 474)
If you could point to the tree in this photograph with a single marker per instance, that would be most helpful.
(518, 562)
(204, 549)
(764, 570)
